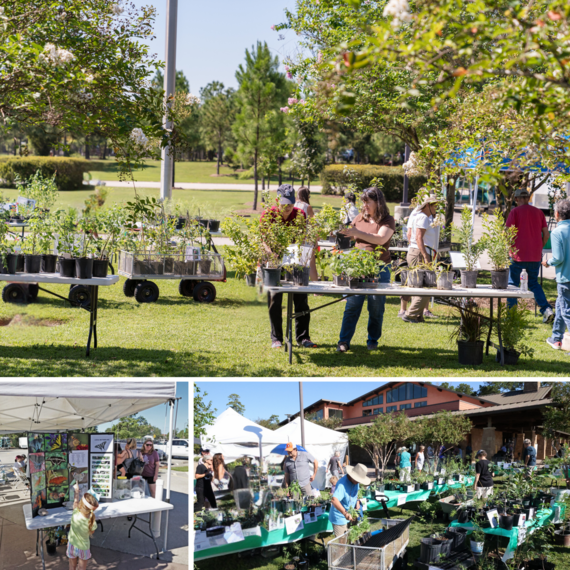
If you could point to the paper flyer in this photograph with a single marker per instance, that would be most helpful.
(102, 474)
(102, 443)
(79, 458)
(294, 524)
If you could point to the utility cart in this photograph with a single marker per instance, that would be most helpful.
(196, 272)
(383, 550)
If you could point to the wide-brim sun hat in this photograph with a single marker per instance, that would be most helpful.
(431, 200)
(359, 474)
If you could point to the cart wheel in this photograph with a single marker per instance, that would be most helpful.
(146, 292)
(13, 293)
(204, 292)
(186, 287)
(80, 295)
(33, 290)
(129, 287)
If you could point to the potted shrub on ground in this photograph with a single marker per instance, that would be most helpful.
(468, 335)
(514, 333)
(471, 251)
(499, 241)
(477, 540)
(51, 542)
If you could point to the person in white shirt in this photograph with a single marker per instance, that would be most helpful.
(420, 458)
(423, 248)
(349, 210)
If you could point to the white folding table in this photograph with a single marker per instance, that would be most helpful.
(55, 279)
(127, 508)
(445, 296)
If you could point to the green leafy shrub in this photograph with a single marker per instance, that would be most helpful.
(68, 172)
(335, 178)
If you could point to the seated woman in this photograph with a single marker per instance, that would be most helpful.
(372, 228)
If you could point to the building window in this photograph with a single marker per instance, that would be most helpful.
(410, 391)
(420, 404)
(389, 397)
(419, 392)
(377, 411)
(405, 406)
(335, 414)
(366, 412)
(405, 392)
(320, 415)
(379, 399)
(391, 409)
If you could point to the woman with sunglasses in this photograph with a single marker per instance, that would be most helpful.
(373, 228)
(151, 465)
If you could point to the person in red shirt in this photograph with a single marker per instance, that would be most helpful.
(286, 213)
(531, 238)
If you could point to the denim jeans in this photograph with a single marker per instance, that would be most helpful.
(532, 268)
(562, 317)
(376, 304)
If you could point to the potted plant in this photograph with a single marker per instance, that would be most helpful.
(51, 542)
(30, 246)
(430, 549)
(329, 221)
(337, 265)
(66, 245)
(246, 251)
(322, 257)
(471, 251)
(444, 276)
(87, 225)
(468, 335)
(110, 224)
(514, 333)
(362, 267)
(477, 540)
(500, 241)
(41, 189)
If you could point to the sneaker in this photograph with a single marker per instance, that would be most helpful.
(372, 346)
(276, 344)
(421, 319)
(407, 319)
(554, 343)
(548, 316)
(429, 315)
(401, 314)
(307, 343)
(342, 347)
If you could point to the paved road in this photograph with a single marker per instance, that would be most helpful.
(111, 549)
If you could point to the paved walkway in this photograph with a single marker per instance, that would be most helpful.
(191, 185)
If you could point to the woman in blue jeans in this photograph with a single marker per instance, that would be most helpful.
(373, 228)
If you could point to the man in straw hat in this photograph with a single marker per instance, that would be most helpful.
(345, 497)
(297, 467)
(423, 249)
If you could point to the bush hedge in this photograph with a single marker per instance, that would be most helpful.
(68, 171)
(336, 177)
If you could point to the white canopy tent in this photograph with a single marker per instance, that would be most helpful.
(46, 406)
(320, 442)
(236, 436)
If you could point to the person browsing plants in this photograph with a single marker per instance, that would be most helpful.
(483, 477)
(297, 468)
(373, 229)
(83, 525)
(345, 497)
(286, 214)
(422, 249)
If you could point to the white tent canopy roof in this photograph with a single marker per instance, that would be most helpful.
(31, 405)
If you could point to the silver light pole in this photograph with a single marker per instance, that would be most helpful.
(302, 415)
(169, 87)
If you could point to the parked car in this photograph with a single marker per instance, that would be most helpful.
(161, 452)
(180, 448)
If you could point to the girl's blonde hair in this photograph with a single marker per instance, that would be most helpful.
(93, 502)
(144, 451)
(131, 443)
(333, 480)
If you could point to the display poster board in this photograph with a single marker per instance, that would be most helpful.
(59, 460)
(294, 524)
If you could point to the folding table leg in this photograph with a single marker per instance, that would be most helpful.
(94, 306)
(501, 349)
(490, 325)
(91, 318)
(290, 321)
(42, 549)
(151, 535)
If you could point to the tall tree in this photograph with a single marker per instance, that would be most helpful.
(204, 413)
(181, 83)
(262, 91)
(332, 422)
(235, 403)
(132, 426)
(217, 117)
(488, 388)
(271, 423)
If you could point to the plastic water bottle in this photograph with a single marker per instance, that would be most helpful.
(524, 280)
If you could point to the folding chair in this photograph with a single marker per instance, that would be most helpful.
(20, 478)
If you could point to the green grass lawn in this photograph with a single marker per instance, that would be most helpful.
(181, 468)
(178, 337)
(204, 172)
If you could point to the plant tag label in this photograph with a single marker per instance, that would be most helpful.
(493, 516)
(522, 536)
(201, 541)
(273, 525)
(318, 511)
(192, 254)
(310, 518)
(274, 480)
(522, 520)
(401, 500)
(251, 531)
(294, 524)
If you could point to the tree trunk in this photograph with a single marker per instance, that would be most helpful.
(263, 182)
(255, 181)
(450, 205)
(105, 150)
(309, 183)
(219, 156)
(280, 174)
(87, 152)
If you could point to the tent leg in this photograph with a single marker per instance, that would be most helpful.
(169, 474)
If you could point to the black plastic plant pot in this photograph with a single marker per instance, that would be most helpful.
(430, 549)
(32, 263)
(51, 548)
(49, 263)
(84, 268)
(340, 280)
(458, 536)
(506, 522)
(469, 279)
(500, 279)
(271, 276)
(203, 223)
(168, 265)
(12, 263)
(250, 279)
(343, 242)
(417, 487)
(446, 547)
(470, 353)
(511, 356)
(430, 278)
(301, 276)
(416, 279)
(214, 225)
(66, 267)
(20, 268)
(463, 517)
(100, 267)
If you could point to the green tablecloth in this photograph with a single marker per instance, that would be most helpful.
(541, 518)
(396, 496)
(267, 538)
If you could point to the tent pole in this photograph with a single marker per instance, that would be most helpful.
(169, 473)
(302, 415)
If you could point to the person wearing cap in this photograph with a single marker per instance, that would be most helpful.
(373, 229)
(297, 467)
(345, 497)
(483, 476)
(203, 452)
(529, 455)
(422, 249)
(532, 235)
(286, 214)
(560, 260)
(405, 465)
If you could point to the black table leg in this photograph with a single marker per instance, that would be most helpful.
(290, 326)
(501, 350)
(490, 325)
(94, 306)
(91, 317)
(151, 535)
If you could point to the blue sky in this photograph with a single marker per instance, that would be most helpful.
(262, 399)
(213, 36)
(159, 417)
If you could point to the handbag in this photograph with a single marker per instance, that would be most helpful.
(133, 465)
